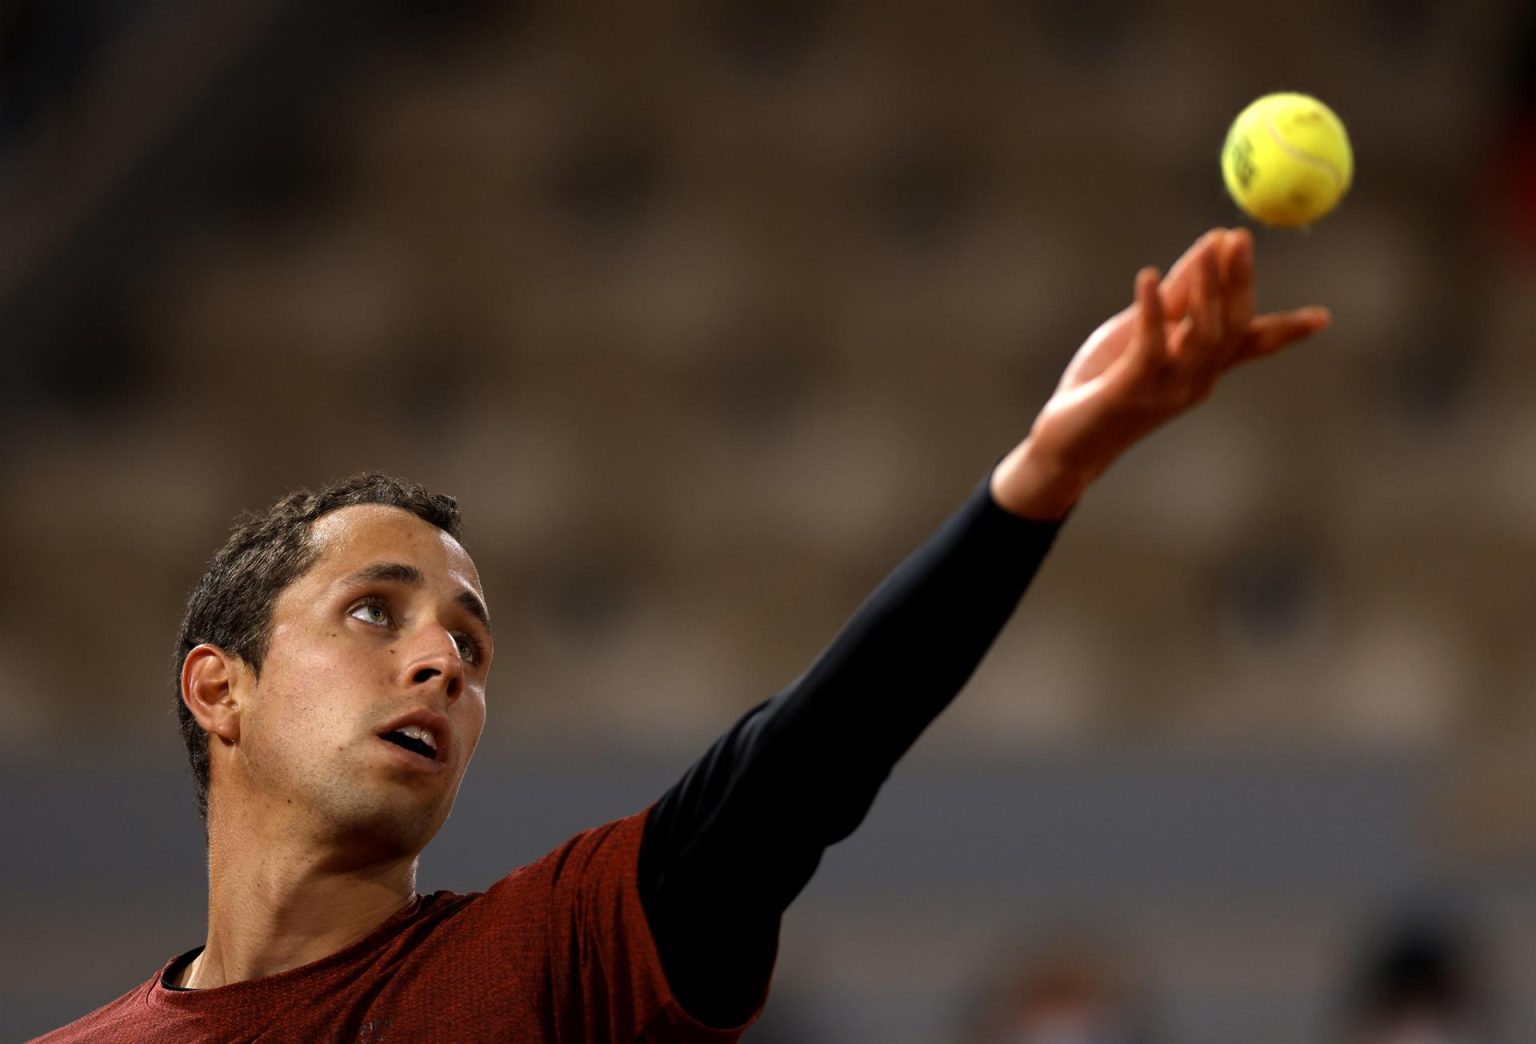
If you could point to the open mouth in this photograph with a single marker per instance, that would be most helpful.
(414, 739)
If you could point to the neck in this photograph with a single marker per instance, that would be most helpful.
(277, 900)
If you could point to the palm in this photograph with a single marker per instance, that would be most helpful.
(1095, 406)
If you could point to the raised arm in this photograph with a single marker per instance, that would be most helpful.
(736, 839)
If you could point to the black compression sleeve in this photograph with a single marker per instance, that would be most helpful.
(735, 840)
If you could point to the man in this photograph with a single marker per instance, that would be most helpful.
(332, 690)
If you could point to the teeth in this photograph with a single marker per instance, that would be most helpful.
(416, 732)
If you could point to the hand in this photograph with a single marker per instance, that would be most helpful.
(1145, 366)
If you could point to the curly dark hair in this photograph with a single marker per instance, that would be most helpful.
(231, 606)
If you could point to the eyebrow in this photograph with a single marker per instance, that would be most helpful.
(401, 573)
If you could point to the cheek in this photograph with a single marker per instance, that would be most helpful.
(291, 716)
(312, 690)
(472, 720)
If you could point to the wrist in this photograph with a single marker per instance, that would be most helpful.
(1033, 484)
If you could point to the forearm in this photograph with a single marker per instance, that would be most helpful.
(731, 844)
(899, 661)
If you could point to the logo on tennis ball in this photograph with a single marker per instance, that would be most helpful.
(1240, 154)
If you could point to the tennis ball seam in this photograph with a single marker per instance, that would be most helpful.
(1302, 157)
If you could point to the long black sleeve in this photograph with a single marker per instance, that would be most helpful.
(736, 839)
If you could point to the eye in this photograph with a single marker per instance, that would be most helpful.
(470, 650)
(371, 611)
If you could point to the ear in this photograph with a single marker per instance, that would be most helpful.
(210, 687)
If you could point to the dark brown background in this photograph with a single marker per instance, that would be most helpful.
(707, 314)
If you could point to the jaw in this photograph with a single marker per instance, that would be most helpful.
(396, 816)
(364, 802)
(345, 822)
(379, 834)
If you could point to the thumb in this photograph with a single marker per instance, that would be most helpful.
(1270, 333)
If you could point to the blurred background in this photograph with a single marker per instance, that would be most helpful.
(708, 313)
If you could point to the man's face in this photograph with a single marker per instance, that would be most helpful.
(381, 645)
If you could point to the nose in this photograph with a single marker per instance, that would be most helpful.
(434, 660)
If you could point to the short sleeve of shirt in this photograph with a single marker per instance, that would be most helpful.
(613, 984)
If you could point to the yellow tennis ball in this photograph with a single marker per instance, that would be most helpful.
(1287, 159)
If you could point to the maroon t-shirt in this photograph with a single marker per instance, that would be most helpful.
(558, 950)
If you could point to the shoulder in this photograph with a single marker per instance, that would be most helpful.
(588, 880)
(129, 1018)
(607, 850)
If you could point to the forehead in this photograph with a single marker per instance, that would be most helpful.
(364, 534)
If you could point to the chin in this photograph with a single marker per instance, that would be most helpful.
(386, 829)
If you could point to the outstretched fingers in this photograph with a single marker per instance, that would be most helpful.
(1198, 321)
(1237, 265)
(1269, 333)
(1179, 281)
(1206, 309)
(1151, 345)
